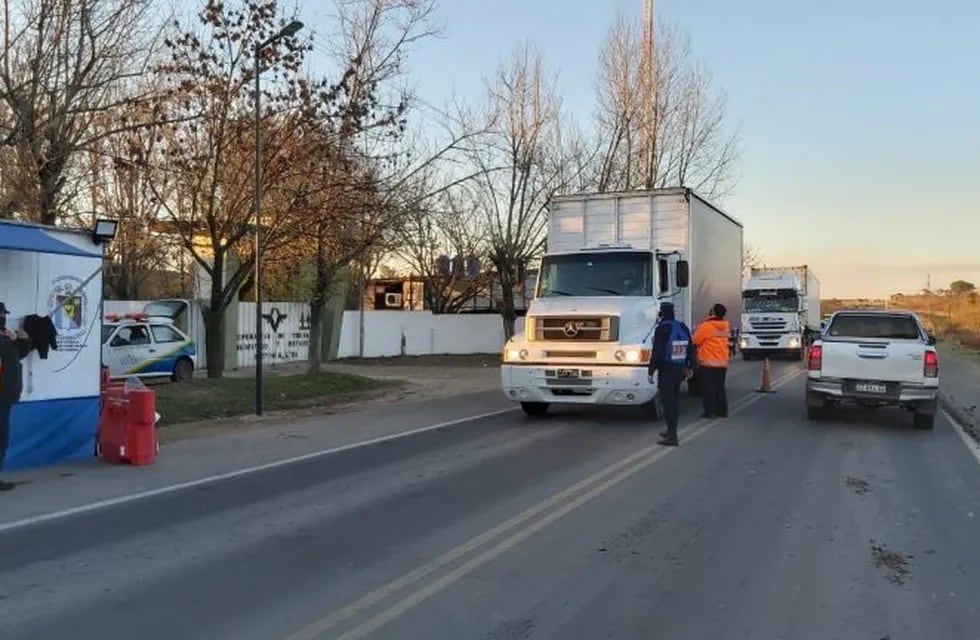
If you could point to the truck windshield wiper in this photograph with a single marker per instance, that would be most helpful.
(612, 291)
(559, 292)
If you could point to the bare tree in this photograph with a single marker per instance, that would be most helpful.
(66, 66)
(207, 150)
(521, 163)
(123, 187)
(683, 141)
(751, 258)
(444, 241)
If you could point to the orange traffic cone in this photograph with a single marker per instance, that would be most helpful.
(766, 386)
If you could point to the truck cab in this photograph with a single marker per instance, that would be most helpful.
(771, 322)
(588, 332)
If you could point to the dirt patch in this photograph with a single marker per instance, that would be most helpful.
(895, 565)
(857, 485)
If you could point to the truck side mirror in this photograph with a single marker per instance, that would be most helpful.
(931, 340)
(683, 274)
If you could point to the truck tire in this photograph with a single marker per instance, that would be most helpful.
(924, 421)
(535, 408)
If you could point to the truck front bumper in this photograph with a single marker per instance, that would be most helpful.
(590, 384)
(752, 344)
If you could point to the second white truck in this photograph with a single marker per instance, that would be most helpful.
(612, 259)
(780, 311)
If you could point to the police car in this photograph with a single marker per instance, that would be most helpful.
(137, 345)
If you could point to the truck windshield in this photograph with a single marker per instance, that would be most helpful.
(893, 327)
(771, 301)
(613, 273)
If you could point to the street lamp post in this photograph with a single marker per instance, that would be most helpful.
(288, 30)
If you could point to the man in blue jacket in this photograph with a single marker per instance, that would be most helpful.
(672, 360)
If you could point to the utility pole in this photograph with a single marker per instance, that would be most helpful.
(649, 96)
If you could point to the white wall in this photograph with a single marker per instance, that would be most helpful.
(423, 332)
(286, 335)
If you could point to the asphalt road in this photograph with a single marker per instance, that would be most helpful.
(578, 526)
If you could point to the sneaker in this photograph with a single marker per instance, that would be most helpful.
(668, 441)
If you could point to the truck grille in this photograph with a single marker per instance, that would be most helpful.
(572, 328)
(768, 325)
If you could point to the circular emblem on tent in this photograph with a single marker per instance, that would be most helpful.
(69, 310)
(570, 329)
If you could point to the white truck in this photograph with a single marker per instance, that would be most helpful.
(780, 311)
(612, 258)
(874, 358)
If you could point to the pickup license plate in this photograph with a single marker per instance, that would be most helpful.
(871, 387)
(568, 373)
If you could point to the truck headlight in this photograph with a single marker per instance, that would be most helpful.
(794, 343)
(513, 354)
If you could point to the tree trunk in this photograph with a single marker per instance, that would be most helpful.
(214, 329)
(315, 355)
(214, 316)
(507, 310)
(321, 290)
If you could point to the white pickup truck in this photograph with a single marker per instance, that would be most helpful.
(874, 358)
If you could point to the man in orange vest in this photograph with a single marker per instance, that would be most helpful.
(711, 341)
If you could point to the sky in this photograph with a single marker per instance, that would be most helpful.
(860, 121)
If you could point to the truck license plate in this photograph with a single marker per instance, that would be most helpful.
(870, 387)
(568, 373)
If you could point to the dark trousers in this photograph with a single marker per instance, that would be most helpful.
(4, 431)
(669, 380)
(713, 394)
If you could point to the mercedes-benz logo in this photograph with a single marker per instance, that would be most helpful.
(570, 329)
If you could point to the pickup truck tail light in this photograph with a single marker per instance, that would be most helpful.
(815, 361)
(930, 364)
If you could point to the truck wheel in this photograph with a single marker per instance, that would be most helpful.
(924, 421)
(535, 408)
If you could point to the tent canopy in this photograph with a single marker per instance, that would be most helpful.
(21, 237)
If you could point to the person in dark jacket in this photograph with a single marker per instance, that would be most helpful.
(13, 348)
(672, 359)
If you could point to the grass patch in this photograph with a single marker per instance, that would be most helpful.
(210, 399)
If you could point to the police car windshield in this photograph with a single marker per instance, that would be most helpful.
(612, 273)
(106, 333)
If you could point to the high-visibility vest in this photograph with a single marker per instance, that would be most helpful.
(712, 341)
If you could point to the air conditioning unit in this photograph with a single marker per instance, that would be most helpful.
(393, 300)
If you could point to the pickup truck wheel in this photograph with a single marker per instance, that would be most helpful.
(816, 414)
(924, 421)
(535, 408)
